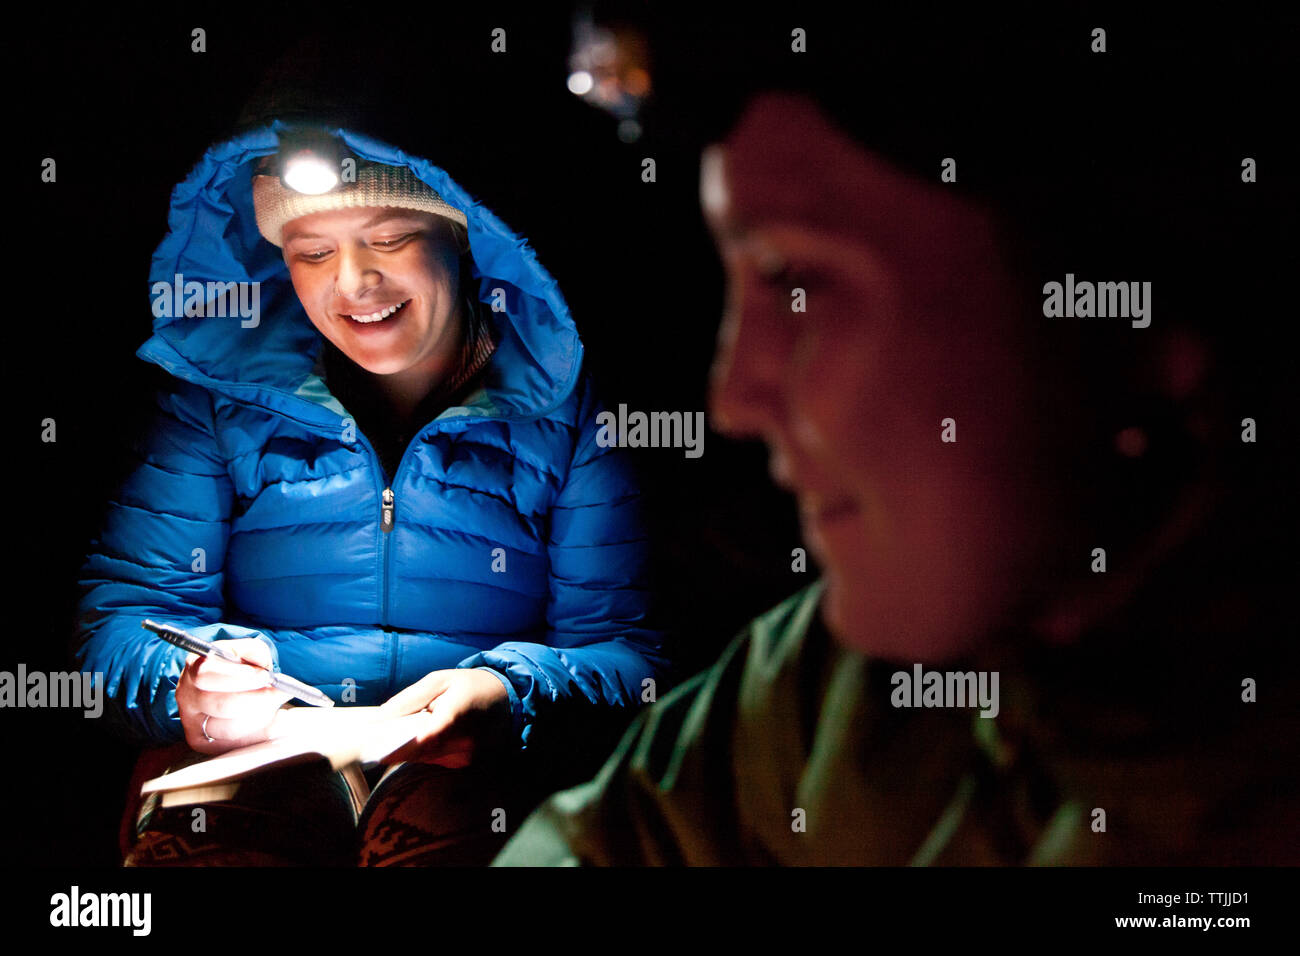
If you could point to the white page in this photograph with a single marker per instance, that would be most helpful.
(342, 735)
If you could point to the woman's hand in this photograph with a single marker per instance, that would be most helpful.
(239, 705)
(470, 708)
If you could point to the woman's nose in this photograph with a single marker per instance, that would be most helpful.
(750, 374)
(355, 272)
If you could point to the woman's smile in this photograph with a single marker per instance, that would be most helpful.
(377, 315)
(375, 322)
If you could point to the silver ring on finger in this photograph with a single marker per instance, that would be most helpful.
(204, 728)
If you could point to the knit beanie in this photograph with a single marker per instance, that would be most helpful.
(376, 185)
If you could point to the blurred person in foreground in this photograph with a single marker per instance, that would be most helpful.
(1124, 729)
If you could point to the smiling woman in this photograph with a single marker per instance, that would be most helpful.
(386, 286)
(391, 305)
(380, 282)
(400, 498)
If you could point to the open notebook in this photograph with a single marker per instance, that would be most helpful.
(345, 736)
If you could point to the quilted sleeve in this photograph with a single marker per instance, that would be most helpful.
(602, 653)
(158, 554)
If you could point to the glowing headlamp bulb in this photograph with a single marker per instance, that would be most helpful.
(306, 172)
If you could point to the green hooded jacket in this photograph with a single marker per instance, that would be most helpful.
(788, 751)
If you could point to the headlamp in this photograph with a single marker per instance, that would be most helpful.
(308, 172)
(309, 163)
(609, 67)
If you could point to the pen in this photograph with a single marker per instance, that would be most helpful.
(197, 645)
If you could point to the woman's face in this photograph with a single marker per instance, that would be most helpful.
(380, 283)
(907, 323)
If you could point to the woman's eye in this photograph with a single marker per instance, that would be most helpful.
(789, 275)
(391, 243)
(314, 256)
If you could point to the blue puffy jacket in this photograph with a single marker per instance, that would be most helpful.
(515, 540)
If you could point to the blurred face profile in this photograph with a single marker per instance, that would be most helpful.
(866, 309)
(381, 284)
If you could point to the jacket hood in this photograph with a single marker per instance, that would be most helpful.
(213, 239)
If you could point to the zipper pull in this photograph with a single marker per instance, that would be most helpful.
(388, 510)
